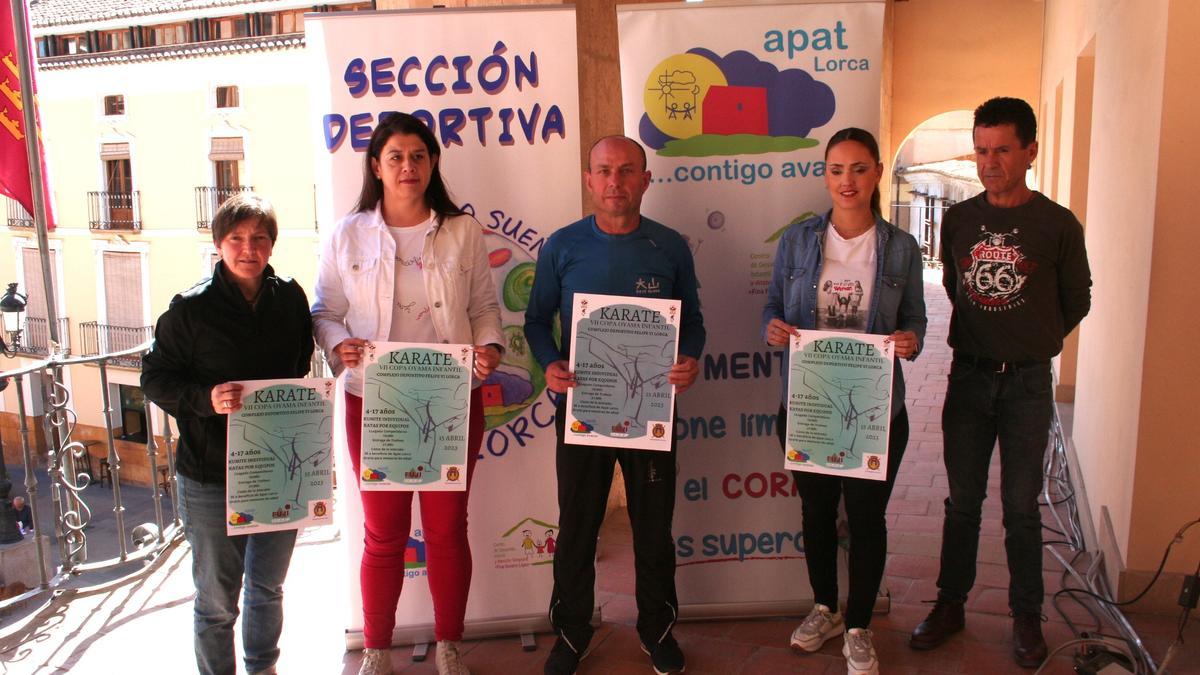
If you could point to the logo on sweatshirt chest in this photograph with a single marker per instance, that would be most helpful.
(995, 271)
(644, 286)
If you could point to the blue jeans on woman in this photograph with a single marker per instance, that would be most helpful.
(219, 564)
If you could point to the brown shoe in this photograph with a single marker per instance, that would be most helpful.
(944, 620)
(1028, 644)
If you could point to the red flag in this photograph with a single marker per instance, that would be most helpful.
(14, 160)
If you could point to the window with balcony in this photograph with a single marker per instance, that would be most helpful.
(17, 216)
(228, 97)
(226, 154)
(116, 207)
(121, 296)
(35, 339)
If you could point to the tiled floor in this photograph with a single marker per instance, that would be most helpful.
(145, 626)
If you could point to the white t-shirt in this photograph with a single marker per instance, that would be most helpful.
(847, 279)
(411, 320)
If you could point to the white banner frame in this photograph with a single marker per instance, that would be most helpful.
(493, 180)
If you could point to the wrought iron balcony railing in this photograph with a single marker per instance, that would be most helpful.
(115, 210)
(35, 340)
(17, 217)
(209, 199)
(67, 461)
(100, 338)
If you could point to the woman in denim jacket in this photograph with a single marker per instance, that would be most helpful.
(408, 265)
(848, 270)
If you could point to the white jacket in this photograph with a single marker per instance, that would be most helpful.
(356, 281)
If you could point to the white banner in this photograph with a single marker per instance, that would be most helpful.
(499, 87)
(734, 104)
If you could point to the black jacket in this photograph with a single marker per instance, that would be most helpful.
(210, 335)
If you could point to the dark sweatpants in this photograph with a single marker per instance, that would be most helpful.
(584, 477)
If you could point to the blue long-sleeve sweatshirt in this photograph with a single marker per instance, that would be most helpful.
(652, 261)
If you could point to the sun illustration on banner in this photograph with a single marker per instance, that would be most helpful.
(699, 104)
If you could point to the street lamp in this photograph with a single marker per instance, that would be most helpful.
(12, 307)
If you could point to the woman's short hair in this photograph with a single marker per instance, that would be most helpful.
(243, 206)
(437, 196)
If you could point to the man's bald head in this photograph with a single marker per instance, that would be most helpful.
(619, 139)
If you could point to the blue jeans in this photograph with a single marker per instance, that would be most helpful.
(982, 406)
(219, 563)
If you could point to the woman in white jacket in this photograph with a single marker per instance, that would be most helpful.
(408, 265)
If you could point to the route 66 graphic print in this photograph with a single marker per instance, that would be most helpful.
(995, 271)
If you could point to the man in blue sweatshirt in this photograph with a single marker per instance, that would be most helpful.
(616, 251)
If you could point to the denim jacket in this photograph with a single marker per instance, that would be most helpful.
(897, 301)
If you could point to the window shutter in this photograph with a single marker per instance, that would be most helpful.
(123, 289)
(35, 306)
(114, 151)
(226, 149)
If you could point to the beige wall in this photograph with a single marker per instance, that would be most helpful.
(1127, 175)
(1166, 486)
(955, 54)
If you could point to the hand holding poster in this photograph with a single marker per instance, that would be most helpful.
(839, 403)
(279, 456)
(416, 404)
(621, 354)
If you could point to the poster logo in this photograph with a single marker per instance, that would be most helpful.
(873, 463)
(240, 518)
(658, 430)
(372, 475)
(453, 474)
(699, 104)
(320, 509)
(530, 542)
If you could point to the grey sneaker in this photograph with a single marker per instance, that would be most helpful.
(860, 653)
(376, 662)
(449, 661)
(820, 625)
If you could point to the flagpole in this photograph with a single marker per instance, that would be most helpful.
(29, 109)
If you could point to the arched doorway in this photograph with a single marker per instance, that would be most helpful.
(932, 170)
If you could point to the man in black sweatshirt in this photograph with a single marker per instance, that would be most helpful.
(1016, 271)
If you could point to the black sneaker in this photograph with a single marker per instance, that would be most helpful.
(562, 660)
(666, 656)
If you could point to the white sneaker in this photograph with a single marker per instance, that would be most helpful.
(860, 653)
(820, 625)
(449, 661)
(376, 662)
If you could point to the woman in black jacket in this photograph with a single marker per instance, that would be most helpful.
(243, 323)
